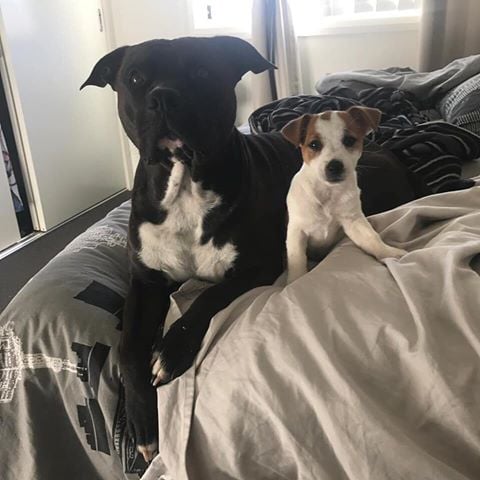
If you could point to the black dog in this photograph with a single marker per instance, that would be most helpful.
(208, 202)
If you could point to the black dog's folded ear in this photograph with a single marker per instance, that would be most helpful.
(243, 56)
(106, 69)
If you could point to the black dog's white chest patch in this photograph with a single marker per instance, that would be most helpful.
(174, 246)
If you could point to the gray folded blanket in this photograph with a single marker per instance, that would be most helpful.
(430, 86)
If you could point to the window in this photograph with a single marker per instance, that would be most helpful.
(311, 17)
(322, 16)
(330, 8)
(222, 16)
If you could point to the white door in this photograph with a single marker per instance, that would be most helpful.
(71, 139)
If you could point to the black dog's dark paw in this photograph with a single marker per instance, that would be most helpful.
(174, 354)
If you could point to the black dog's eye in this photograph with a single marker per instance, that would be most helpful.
(315, 145)
(349, 141)
(136, 79)
(201, 72)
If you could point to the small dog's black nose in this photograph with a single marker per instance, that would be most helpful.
(162, 99)
(334, 170)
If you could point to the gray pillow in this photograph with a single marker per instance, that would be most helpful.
(461, 106)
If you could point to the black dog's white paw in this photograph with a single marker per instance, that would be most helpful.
(174, 354)
(149, 452)
(159, 371)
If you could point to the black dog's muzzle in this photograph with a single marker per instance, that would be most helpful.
(160, 102)
(163, 99)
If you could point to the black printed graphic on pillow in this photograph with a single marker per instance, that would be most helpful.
(103, 297)
(90, 362)
(123, 443)
(92, 421)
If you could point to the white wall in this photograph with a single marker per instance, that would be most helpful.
(140, 20)
(332, 53)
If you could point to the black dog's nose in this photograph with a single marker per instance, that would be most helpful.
(334, 170)
(162, 99)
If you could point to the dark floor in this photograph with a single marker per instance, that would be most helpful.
(20, 266)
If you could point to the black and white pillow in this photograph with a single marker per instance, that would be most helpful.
(461, 106)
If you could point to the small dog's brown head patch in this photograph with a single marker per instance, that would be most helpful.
(295, 131)
(332, 135)
(358, 122)
(361, 120)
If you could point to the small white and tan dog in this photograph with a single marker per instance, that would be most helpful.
(324, 194)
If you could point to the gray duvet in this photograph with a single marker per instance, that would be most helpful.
(61, 404)
(357, 371)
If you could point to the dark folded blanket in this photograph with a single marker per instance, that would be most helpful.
(433, 150)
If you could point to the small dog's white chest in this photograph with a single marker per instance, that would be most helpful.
(174, 246)
(322, 231)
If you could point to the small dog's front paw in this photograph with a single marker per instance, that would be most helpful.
(294, 274)
(391, 252)
(174, 354)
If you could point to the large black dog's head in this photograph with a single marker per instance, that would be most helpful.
(181, 89)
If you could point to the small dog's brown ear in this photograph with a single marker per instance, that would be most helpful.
(366, 118)
(296, 130)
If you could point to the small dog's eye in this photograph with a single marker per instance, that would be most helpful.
(315, 145)
(136, 79)
(349, 141)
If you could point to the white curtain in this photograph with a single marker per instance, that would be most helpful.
(274, 36)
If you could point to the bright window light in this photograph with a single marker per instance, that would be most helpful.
(310, 16)
(225, 15)
(326, 8)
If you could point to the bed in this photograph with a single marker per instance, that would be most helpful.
(358, 370)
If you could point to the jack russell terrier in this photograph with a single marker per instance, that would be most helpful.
(324, 194)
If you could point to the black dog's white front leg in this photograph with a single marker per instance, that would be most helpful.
(176, 351)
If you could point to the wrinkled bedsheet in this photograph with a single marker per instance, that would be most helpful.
(358, 370)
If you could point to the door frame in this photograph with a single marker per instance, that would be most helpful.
(20, 134)
(109, 26)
